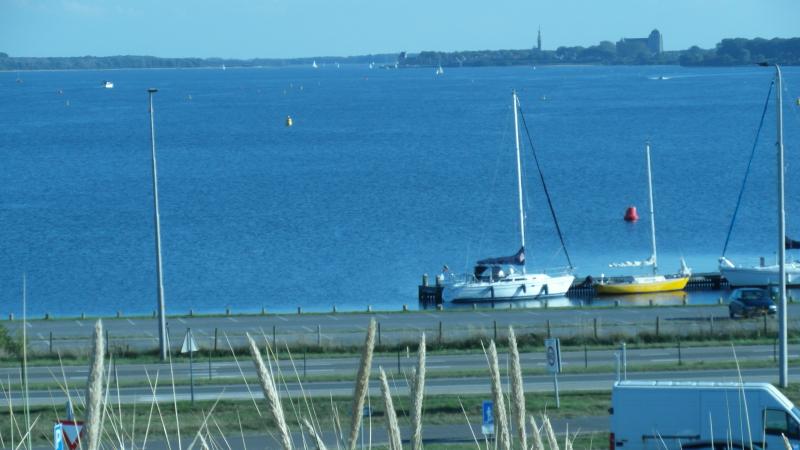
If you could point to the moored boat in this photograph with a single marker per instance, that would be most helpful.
(505, 278)
(639, 284)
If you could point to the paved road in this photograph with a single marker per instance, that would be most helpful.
(434, 386)
(431, 434)
(348, 329)
(346, 366)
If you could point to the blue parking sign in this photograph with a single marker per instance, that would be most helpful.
(488, 418)
(58, 436)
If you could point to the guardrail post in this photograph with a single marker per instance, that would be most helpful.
(595, 327)
(108, 354)
(379, 333)
(440, 333)
(658, 325)
(495, 331)
(51, 342)
(680, 360)
(398, 362)
(549, 334)
(585, 356)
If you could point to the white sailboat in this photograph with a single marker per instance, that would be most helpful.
(314, 64)
(439, 70)
(505, 278)
(763, 274)
(638, 284)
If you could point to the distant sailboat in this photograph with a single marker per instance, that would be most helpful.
(372, 65)
(108, 84)
(439, 70)
(223, 67)
(314, 65)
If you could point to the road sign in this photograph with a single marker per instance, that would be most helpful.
(67, 434)
(487, 427)
(189, 345)
(553, 352)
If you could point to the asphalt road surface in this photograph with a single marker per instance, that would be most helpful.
(348, 328)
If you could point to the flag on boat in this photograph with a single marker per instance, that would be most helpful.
(791, 244)
(518, 259)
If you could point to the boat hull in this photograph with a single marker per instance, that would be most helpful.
(663, 285)
(530, 288)
(760, 276)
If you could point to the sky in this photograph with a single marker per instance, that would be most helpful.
(305, 28)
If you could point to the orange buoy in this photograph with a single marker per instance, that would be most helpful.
(631, 215)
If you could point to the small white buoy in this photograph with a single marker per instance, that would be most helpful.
(288, 121)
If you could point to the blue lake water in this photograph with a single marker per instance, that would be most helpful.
(386, 174)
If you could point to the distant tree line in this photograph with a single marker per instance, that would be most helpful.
(145, 62)
(729, 52)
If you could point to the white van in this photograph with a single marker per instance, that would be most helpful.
(666, 415)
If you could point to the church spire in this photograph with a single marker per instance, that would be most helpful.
(539, 39)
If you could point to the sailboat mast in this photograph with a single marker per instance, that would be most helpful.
(782, 325)
(519, 173)
(652, 212)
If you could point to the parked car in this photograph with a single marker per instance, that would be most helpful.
(749, 302)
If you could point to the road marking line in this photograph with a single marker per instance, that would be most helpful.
(382, 316)
(333, 317)
(432, 315)
(181, 321)
(483, 314)
(233, 320)
(283, 318)
(131, 322)
(664, 360)
(307, 329)
(41, 336)
(79, 323)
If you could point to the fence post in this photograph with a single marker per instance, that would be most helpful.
(51, 343)
(304, 364)
(108, 354)
(765, 324)
(379, 333)
(548, 329)
(440, 333)
(319, 338)
(209, 365)
(658, 325)
(775, 350)
(215, 339)
(495, 331)
(398, 362)
(595, 327)
(680, 360)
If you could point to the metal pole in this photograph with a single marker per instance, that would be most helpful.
(555, 384)
(624, 362)
(783, 355)
(162, 321)
(519, 174)
(616, 364)
(191, 372)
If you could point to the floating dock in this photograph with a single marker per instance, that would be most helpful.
(582, 288)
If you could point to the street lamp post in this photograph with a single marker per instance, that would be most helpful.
(783, 355)
(162, 321)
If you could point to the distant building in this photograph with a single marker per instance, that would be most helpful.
(654, 43)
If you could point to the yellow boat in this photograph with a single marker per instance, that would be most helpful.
(641, 284)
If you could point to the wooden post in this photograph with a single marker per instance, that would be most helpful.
(595, 327)
(658, 325)
(398, 362)
(495, 331)
(585, 356)
(549, 334)
(107, 344)
(51, 342)
(379, 333)
(215, 339)
(440, 333)
(765, 324)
